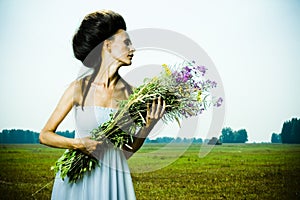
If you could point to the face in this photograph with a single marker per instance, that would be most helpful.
(121, 48)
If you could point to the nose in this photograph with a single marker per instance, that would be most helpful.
(131, 49)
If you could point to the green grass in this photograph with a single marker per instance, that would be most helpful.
(237, 171)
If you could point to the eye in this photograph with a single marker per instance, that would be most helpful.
(127, 42)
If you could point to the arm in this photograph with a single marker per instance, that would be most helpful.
(153, 115)
(50, 138)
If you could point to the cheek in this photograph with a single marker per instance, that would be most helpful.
(118, 52)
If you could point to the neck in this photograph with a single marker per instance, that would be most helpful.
(108, 75)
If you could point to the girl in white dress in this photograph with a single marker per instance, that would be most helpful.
(101, 43)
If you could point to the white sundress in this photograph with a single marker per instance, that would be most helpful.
(110, 181)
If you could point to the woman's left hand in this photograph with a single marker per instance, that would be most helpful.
(155, 112)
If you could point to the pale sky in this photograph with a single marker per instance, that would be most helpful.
(254, 45)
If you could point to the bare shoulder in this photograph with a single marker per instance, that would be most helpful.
(75, 90)
(63, 107)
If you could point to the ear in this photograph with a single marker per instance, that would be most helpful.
(107, 45)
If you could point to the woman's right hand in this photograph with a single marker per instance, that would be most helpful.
(87, 145)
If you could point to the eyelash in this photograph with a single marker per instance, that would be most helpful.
(127, 43)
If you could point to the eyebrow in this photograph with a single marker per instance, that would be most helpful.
(127, 40)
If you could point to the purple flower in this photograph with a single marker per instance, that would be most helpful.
(186, 68)
(201, 111)
(202, 69)
(186, 77)
(184, 113)
(178, 76)
(196, 85)
(178, 79)
(175, 73)
(199, 85)
(219, 102)
(213, 84)
(190, 105)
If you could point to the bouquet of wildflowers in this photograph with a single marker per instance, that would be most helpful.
(186, 94)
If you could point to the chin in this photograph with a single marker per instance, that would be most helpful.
(126, 63)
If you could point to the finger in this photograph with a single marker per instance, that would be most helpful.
(162, 112)
(148, 111)
(153, 108)
(158, 108)
(93, 146)
(148, 108)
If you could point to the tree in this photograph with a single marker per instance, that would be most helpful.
(214, 141)
(290, 132)
(230, 136)
(227, 135)
(199, 140)
(241, 136)
(19, 136)
(276, 138)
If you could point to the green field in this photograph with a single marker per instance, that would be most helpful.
(237, 171)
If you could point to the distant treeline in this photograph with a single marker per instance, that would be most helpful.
(230, 136)
(290, 133)
(19, 136)
(174, 140)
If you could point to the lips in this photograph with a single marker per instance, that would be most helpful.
(130, 56)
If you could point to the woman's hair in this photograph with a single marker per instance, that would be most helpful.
(88, 41)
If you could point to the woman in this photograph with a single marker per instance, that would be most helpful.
(102, 44)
